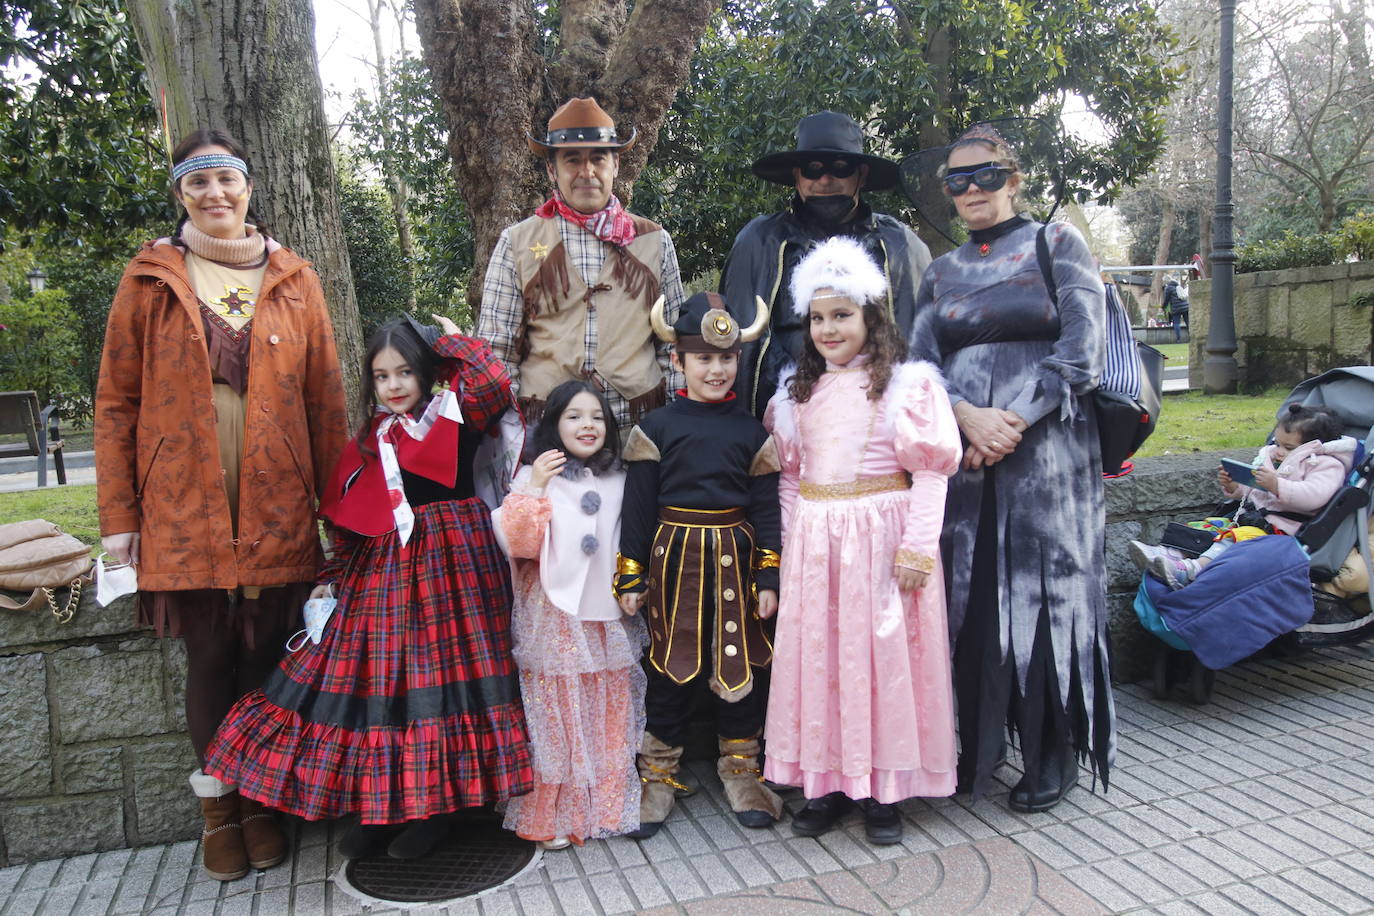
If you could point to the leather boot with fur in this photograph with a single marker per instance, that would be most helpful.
(221, 844)
(262, 837)
(658, 765)
(754, 804)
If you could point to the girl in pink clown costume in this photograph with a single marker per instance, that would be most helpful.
(861, 708)
(578, 655)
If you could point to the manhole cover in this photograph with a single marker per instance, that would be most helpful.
(477, 855)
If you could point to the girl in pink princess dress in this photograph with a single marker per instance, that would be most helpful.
(861, 708)
(578, 655)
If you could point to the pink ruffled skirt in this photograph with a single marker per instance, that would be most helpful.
(861, 699)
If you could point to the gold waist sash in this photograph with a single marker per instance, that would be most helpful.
(864, 486)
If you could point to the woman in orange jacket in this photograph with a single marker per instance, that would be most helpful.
(218, 415)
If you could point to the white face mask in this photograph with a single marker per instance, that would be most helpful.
(317, 613)
(113, 581)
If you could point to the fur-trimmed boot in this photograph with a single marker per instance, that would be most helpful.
(263, 840)
(754, 804)
(221, 844)
(658, 765)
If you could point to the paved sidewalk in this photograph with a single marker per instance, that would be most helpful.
(1262, 801)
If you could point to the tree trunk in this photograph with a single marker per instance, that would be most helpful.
(248, 66)
(496, 87)
(1166, 236)
(1204, 237)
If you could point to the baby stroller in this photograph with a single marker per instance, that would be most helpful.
(1330, 547)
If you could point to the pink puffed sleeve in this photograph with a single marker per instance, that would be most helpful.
(780, 422)
(926, 440)
(525, 515)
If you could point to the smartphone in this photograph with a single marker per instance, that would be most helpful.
(1240, 472)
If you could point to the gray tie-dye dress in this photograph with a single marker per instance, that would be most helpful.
(1023, 540)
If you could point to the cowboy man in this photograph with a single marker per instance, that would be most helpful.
(829, 171)
(569, 290)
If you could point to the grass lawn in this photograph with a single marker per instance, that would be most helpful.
(70, 508)
(1176, 353)
(1196, 422)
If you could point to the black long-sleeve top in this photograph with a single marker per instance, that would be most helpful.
(709, 456)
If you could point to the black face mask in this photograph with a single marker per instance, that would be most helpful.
(828, 209)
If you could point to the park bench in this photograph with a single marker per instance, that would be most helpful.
(20, 415)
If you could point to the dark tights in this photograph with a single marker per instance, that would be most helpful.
(224, 662)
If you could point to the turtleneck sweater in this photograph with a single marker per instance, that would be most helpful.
(242, 253)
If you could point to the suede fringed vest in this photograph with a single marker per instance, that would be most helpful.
(552, 350)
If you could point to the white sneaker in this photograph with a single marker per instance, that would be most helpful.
(1142, 554)
(558, 842)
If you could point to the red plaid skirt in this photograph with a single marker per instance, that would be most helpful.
(410, 705)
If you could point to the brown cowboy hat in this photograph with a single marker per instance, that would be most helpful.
(580, 124)
(827, 135)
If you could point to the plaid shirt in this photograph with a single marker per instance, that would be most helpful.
(503, 307)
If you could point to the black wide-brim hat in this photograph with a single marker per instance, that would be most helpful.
(822, 136)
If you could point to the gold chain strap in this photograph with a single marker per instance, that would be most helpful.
(740, 771)
(65, 614)
(663, 776)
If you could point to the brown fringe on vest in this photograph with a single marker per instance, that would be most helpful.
(649, 400)
(550, 283)
(632, 276)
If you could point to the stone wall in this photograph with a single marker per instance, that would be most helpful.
(95, 753)
(1291, 324)
(93, 746)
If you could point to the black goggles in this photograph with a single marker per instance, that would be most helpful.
(987, 175)
(840, 168)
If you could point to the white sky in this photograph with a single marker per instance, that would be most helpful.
(343, 42)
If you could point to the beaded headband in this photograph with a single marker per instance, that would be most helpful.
(209, 161)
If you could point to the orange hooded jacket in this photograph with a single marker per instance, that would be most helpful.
(157, 456)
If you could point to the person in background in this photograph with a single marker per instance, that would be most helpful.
(1175, 305)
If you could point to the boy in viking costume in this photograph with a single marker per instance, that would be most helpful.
(699, 556)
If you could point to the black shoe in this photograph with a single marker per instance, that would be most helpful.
(820, 814)
(418, 838)
(882, 823)
(755, 820)
(361, 841)
(645, 830)
(1058, 774)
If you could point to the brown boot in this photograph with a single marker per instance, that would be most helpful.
(754, 804)
(221, 844)
(658, 764)
(262, 837)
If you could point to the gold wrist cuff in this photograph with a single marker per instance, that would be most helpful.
(917, 561)
(624, 566)
(766, 559)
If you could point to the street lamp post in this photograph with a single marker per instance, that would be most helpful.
(38, 280)
(1219, 371)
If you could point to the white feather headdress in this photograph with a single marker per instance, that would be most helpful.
(839, 263)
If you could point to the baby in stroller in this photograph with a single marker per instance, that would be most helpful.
(1295, 476)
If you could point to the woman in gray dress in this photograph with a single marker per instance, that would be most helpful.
(1022, 541)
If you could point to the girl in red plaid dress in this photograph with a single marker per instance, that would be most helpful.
(408, 706)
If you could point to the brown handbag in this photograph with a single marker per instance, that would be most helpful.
(37, 557)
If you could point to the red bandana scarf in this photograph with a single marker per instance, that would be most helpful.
(610, 224)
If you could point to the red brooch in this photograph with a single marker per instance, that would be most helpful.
(983, 250)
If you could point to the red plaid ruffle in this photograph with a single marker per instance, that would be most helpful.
(410, 704)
